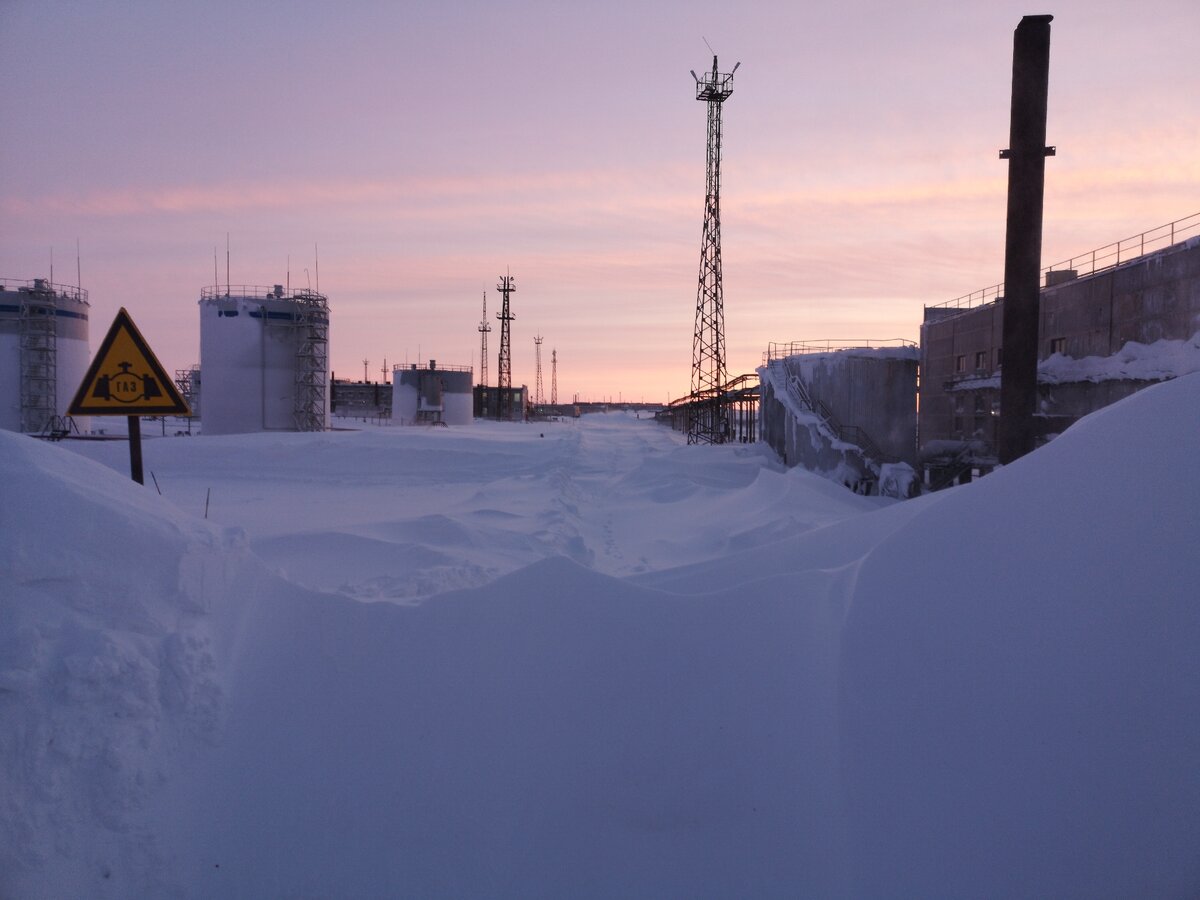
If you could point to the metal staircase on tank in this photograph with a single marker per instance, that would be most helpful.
(851, 434)
(38, 359)
(312, 360)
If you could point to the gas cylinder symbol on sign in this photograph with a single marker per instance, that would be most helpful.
(125, 387)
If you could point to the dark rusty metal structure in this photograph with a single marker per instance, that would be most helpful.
(708, 423)
(1026, 155)
(504, 400)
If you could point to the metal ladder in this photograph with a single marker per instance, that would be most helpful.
(38, 358)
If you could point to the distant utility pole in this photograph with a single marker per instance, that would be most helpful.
(554, 377)
(504, 406)
(366, 363)
(484, 327)
(383, 370)
(706, 422)
(538, 398)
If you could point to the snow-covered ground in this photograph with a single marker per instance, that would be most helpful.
(583, 659)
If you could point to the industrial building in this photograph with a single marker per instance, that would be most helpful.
(368, 399)
(432, 395)
(263, 359)
(514, 407)
(43, 354)
(1106, 329)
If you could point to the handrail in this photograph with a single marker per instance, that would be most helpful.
(780, 350)
(1102, 258)
(418, 367)
(29, 285)
(258, 292)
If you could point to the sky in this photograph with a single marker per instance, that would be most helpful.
(402, 157)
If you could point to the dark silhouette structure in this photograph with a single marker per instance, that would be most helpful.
(706, 423)
(1026, 155)
(504, 399)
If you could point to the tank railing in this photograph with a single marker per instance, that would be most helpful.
(801, 348)
(257, 292)
(424, 367)
(1107, 257)
(33, 284)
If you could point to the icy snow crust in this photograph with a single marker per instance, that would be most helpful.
(670, 670)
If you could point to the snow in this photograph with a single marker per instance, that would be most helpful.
(598, 663)
(1159, 361)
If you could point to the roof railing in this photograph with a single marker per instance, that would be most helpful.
(1102, 258)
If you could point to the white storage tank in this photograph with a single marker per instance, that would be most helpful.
(432, 394)
(43, 353)
(264, 359)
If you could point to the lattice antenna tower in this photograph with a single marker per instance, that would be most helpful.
(706, 424)
(484, 327)
(554, 377)
(504, 378)
(538, 397)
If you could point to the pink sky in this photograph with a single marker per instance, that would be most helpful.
(425, 151)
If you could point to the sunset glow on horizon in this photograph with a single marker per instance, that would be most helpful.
(425, 152)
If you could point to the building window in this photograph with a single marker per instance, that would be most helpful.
(999, 356)
(1058, 345)
(981, 360)
(960, 364)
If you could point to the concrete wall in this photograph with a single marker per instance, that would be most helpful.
(875, 390)
(804, 441)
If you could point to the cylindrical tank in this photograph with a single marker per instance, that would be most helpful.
(264, 360)
(43, 352)
(432, 394)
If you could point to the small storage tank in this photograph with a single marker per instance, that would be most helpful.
(427, 395)
(264, 355)
(43, 353)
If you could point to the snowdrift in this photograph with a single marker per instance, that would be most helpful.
(990, 691)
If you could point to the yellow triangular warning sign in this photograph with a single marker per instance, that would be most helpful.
(126, 379)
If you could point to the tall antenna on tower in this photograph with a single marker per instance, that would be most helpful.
(504, 379)
(554, 377)
(539, 398)
(706, 422)
(484, 327)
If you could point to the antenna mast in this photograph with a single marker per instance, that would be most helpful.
(504, 407)
(706, 422)
(538, 397)
(554, 377)
(484, 327)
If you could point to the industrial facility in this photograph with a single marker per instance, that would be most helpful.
(263, 359)
(1111, 322)
(432, 395)
(1106, 329)
(43, 354)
